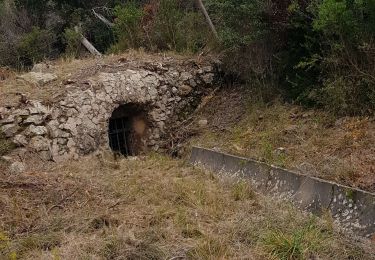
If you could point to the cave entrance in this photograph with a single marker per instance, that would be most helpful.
(126, 129)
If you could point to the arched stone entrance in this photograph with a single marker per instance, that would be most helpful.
(127, 130)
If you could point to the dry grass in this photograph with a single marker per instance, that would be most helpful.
(312, 142)
(154, 208)
(80, 70)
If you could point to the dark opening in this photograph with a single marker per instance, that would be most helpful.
(126, 129)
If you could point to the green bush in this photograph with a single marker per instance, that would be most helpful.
(72, 40)
(348, 60)
(35, 46)
(177, 28)
(128, 28)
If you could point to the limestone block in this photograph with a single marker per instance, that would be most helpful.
(33, 130)
(208, 78)
(17, 167)
(9, 120)
(38, 78)
(38, 108)
(20, 140)
(35, 120)
(184, 90)
(39, 143)
(21, 112)
(10, 130)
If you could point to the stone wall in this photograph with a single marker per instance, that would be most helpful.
(76, 123)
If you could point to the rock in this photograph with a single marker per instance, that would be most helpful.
(35, 120)
(45, 155)
(17, 168)
(38, 78)
(40, 67)
(202, 123)
(185, 90)
(10, 130)
(21, 112)
(308, 114)
(20, 140)
(9, 120)
(208, 78)
(7, 159)
(39, 143)
(38, 108)
(185, 76)
(174, 90)
(33, 130)
(281, 151)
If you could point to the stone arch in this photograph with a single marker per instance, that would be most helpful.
(128, 129)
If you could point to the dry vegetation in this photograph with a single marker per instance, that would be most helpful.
(309, 141)
(155, 208)
(78, 70)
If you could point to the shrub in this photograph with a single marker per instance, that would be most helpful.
(179, 28)
(72, 40)
(128, 26)
(35, 46)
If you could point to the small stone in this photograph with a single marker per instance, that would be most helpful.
(10, 130)
(45, 155)
(9, 120)
(208, 78)
(6, 158)
(39, 143)
(33, 130)
(21, 112)
(17, 167)
(38, 108)
(35, 120)
(185, 90)
(203, 123)
(281, 150)
(174, 90)
(20, 140)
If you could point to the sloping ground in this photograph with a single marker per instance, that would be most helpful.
(155, 208)
(76, 70)
(308, 141)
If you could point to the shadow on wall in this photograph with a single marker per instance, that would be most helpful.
(127, 130)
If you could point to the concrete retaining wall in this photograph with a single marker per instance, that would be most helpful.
(352, 209)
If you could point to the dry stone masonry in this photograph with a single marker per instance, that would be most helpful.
(77, 122)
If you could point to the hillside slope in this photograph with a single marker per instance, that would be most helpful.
(312, 142)
(155, 208)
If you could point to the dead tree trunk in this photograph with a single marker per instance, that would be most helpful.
(102, 18)
(88, 44)
(208, 19)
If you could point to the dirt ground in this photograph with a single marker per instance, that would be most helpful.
(308, 141)
(156, 208)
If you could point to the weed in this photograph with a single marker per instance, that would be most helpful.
(298, 244)
(155, 208)
(210, 248)
(242, 191)
(5, 145)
